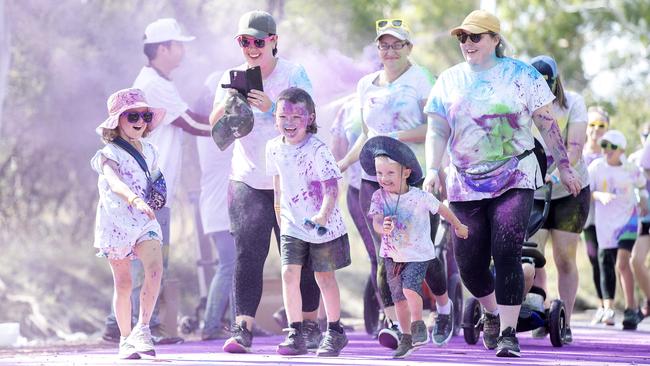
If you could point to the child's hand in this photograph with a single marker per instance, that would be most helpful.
(604, 197)
(140, 205)
(389, 224)
(319, 219)
(462, 231)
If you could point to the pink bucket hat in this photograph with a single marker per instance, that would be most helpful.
(123, 100)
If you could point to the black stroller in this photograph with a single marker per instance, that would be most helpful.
(532, 314)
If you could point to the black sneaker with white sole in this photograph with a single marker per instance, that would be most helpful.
(508, 344)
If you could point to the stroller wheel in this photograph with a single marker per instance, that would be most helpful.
(557, 323)
(472, 321)
(370, 308)
(456, 295)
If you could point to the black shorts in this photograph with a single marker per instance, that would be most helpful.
(644, 229)
(320, 257)
(626, 244)
(567, 213)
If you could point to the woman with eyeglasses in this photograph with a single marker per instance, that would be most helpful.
(567, 214)
(250, 191)
(482, 111)
(597, 125)
(391, 102)
(619, 193)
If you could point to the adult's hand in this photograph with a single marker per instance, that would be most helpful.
(570, 180)
(432, 182)
(260, 100)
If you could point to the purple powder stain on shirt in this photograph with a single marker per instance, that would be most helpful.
(316, 192)
(512, 119)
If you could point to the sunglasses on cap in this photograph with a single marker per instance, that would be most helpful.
(133, 117)
(474, 37)
(245, 42)
(597, 124)
(608, 145)
(320, 230)
(382, 24)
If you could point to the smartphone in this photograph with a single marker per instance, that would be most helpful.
(244, 81)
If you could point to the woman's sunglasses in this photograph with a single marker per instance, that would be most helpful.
(133, 117)
(382, 24)
(608, 145)
(474, 37)
(320, 230)
(396, 46)
(597, 124)
(245, 42)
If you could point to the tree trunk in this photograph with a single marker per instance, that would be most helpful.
(5, 57)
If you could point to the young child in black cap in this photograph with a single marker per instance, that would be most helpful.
(400, 213)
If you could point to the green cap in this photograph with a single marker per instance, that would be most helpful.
(256, 23)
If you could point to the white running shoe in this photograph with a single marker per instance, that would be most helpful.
(127, 351)
(608, 317)
(141, 340)
(598, 317)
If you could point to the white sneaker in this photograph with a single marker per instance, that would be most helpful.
(598, 317)
(127, 351)
(608, 317)
(141, 340)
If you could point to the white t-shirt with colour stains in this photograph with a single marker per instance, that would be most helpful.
(118, 225)
(575, 113)
(618, 219)
(395, 107)
(410, 240)
(489, 114)
(248, 153)
(303, 169)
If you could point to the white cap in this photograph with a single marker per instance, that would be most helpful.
(615, 137)
(163, 30)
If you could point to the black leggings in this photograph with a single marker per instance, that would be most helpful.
(358, 217)
(607, 264)
(497, 227)
(435, 276)
(591, 242)
(251, 220)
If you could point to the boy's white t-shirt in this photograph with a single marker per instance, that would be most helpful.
(395, 107)
(302, 169)
(162, 93)
(618, 219)
(118, 225)
(575, 113)
(248, 155)
(410, 240)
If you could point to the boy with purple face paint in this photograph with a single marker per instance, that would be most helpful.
(312, 231)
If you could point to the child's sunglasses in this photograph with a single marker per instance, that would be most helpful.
(474, 37)
(320, 230)
(597, 125)
(382, 24)
(608, 145)
(245, 42)
(133, 117)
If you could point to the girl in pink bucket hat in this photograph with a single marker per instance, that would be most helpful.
(126, 227)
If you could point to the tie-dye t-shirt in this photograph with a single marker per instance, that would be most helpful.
(395, 107)
(618, 219)
(575, 113)
(248, 153)
(588, 158)
(410, 240)
(302, 169)
(490, 117)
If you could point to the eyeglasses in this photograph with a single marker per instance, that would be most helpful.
(474, 37)
(320, 230)
(245, 42)
(597, 124)
(133, 117)
(382, 24)
(608, 145)
(396, 46)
